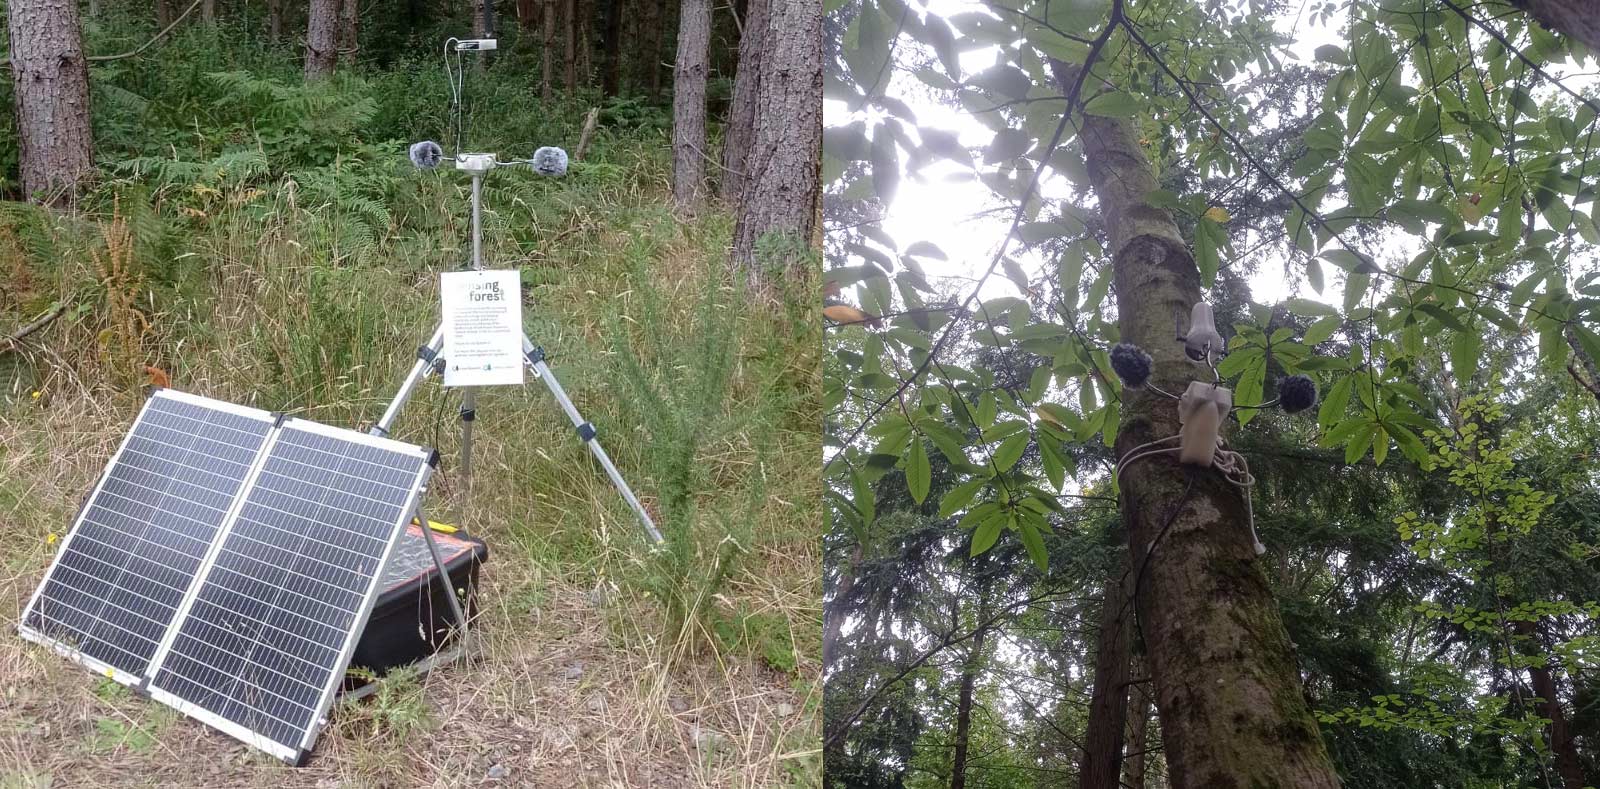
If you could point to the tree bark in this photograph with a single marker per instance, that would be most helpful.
(349, 31)
(546, 53)
(611, 42)
(571, 33)
(1101, 766)
(163, 14)
(1133, 769)
(322, 39)
(746, 90)
(969, 680)
(1557, 732)
(833, 621)
(275, 20)
(50, 83)
(1227, 685)
(208, 12)
(1579, 19)
(689, 105)
(528, 15)
(660, 15)
(782, 186)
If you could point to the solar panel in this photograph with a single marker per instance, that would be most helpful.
(263, 641)
(134, 547)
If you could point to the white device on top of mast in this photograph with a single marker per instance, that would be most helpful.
(547, 161)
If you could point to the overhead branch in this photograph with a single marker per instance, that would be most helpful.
(142, 47)
(1500, 37)
(1114, 21)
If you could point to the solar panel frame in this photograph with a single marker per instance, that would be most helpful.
(296, 753)
(76, 654)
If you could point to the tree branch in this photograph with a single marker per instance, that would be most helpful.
(43, 320)
(142, 47)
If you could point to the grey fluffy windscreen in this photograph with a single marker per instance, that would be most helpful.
(426, 154)
(550, 160)
(1131, 363)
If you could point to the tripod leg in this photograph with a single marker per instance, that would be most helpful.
(444, 576)
(535, 359)
(425, 359)
(469, 414)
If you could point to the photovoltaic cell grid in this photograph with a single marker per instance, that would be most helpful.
(112, 592)
(228, 560)
(271, 627)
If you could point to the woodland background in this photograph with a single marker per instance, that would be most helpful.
(1419, 185)
(215, 196)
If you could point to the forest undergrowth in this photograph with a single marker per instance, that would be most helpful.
(264, 241)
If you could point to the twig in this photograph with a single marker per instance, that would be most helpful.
(1498, 36)
(43, 320)
(142, 47)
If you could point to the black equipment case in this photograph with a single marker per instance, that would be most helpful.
(411, 618)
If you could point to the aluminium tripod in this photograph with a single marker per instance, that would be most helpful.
(430, 360)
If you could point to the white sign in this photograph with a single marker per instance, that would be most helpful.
(482, 327)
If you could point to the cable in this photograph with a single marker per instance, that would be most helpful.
(458, 84)
(1235, 469)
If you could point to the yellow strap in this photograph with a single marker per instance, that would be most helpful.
(442, 528)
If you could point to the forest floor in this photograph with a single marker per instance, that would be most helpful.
(583, 677)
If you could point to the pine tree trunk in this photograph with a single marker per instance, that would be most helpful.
(969, 679)
(611, 43)
(208, 12)
(349, 31)
(656, 45)
(322, 38)
(547, 64)
(689, 104)
(783, 180)
(1227, 684)
(275, 20)
(1568, 765)
(50, 83)
(163, 14)
(528, 15)
(833, 621)
(570, 30)
(585, 44)
(1101, 767)
(746, 90)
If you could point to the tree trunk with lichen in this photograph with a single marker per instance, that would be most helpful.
(1227, 687)
(1101, 766)
(1133, 767)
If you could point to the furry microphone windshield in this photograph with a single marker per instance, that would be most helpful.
(1297, 393)
(426, 155)
(550, 161)
(1131, 363)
